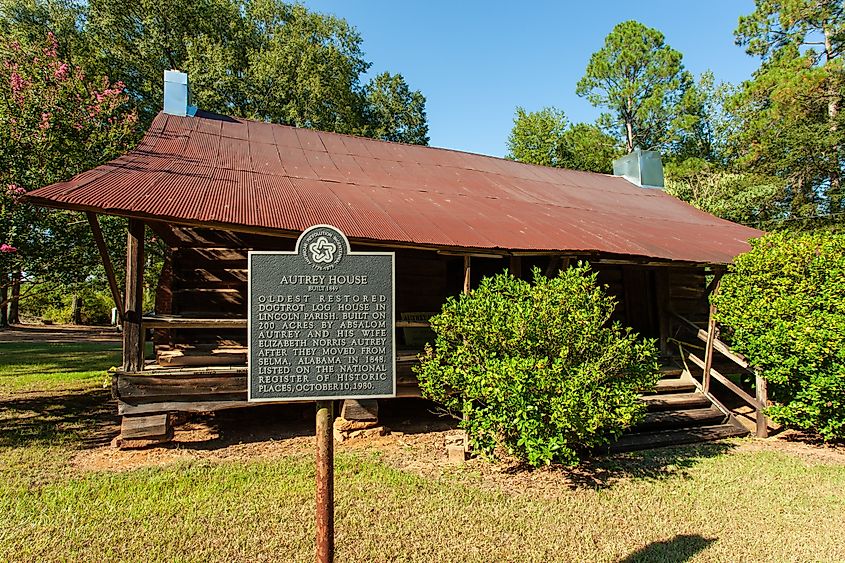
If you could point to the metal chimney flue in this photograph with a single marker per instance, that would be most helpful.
(177, 94)
(643, 168)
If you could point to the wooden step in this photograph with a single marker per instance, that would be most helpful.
(674, 385)
(674, 401)
(670, 371)
(659, 439)
(664, 420)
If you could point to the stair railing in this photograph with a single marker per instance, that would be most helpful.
(714, 344)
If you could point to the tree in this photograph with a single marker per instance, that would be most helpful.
(589, 148)
(545, 137)
(256, 59)
(538, 137)
(742, 197)
(791, 123)
(394, 112)
(640, 80)
(54, 122)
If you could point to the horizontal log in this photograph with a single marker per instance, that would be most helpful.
(188, 406)
(739, 391)
(134, 387)
(125, 409)
(172, 321)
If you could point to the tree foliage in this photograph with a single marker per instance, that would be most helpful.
(640, 80)
(545, 137)
(791, 125)
(537, 370)
(783, 307)
(256, 59)
(54, 122)
(394, 112)
(742, 197)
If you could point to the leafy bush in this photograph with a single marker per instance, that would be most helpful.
(536, 369)
(55, 304)
(782, 305)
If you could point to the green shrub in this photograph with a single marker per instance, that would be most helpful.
(55, 304)
(782, 305)
(536, 370)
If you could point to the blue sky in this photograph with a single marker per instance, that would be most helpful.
(476, 61)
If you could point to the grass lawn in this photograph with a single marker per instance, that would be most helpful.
(745, 500)
(32, 366)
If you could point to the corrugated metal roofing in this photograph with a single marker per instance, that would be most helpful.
(227, 171)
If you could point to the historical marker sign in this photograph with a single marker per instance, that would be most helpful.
(321, 321)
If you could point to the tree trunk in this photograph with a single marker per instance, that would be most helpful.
(4, 293)
(835, 190)
(14, 302)
(629, 127)
(76, 308)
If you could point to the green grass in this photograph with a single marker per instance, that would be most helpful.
(707, 503)
(32, 366)
(743, 507)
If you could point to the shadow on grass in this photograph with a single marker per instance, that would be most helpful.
(85, 417)
(601, 472)
(679, 549)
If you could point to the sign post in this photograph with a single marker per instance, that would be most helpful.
(321, 328)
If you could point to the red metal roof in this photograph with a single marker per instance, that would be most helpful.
(225, 171)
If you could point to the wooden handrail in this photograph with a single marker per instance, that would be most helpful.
(717, 344)
(739, 391)
(712, 343)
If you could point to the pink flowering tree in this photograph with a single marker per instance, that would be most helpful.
(55, 122)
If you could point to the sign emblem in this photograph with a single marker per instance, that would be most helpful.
(322, 247)
(322, 251)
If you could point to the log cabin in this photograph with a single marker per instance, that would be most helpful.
(214, 187)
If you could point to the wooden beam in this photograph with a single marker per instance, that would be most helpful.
(467, 273)
(133, 333)
(553, 267)
(661, 288)
(172, 321)
(515, 266)
(711, 335)
(713, 286)
(107, 265)
(736, 358)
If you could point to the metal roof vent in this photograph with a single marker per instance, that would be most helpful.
(643, 168)
(177, 94)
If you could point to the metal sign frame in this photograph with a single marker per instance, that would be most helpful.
(391, 320)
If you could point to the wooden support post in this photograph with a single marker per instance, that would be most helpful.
(467, 273)
(661, 283)
(325, 482)
(515, 266)
(553, 267)
(711, 335)
(762, 393)
(107, 265)
(133, 337)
